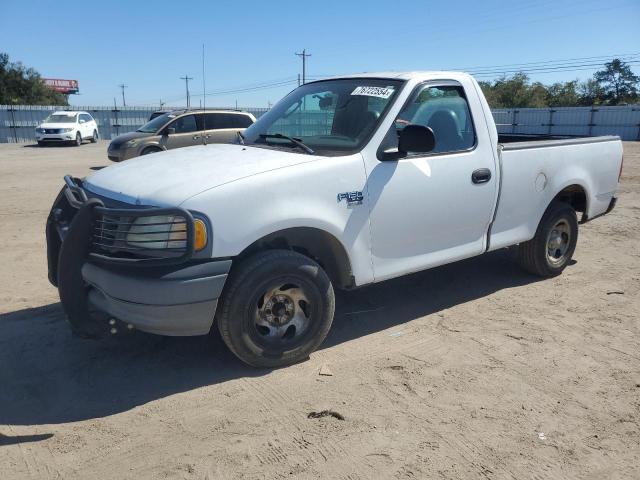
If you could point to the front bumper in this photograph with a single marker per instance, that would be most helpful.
(120, 153)
(181, 301)
(56, 137)
(115, 153)
(169, 296)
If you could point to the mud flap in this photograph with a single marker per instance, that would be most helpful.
(71, 286)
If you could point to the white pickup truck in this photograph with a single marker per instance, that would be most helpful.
(343, 183)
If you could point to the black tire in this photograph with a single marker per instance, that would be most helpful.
(150, 150)
(550, 251)
(275, 279)
(94, 137)
(41, 144)
(78, 140)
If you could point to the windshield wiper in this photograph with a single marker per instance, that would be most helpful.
(296, 141)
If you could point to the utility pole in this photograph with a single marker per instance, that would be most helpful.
(161, 104)
(186, 79)
(123, 86)
(298, 79)
(304, 56)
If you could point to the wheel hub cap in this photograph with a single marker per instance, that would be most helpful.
(282, 313)
(558, 242)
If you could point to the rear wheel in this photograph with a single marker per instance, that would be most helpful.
(94, 137)
(78, 141)
(550, 251)
(277, 308)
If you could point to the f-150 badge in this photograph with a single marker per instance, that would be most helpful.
(352, 198)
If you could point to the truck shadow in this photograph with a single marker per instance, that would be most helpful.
(49, 377)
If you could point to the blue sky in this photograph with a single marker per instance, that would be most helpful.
(150, 45)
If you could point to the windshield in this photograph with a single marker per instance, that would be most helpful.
(61, 118)
(154, 125)
(332, 116)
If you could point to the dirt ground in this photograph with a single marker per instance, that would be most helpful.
(471, 370)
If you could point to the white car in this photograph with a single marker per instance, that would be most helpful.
(343, 183)
(68, 127)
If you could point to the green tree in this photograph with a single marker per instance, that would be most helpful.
(618, 82)
(590, 93)
(22, 85)
(563, 94)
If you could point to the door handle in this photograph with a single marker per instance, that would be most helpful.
(195, 137)
(482, 175)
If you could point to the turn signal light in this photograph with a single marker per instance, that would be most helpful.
(200, 240)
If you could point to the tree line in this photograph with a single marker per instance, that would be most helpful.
(615, 84)
(20, 85)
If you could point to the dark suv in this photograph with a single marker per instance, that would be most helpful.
(181, 128)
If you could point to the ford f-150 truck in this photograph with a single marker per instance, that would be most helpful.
(344, 182)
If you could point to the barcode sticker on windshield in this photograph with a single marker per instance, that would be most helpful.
(382, 92)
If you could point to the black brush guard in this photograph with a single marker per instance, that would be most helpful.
(75, 234)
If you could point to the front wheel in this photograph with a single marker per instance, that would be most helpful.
(94, 137)
(276, 309)
(78, 141)
(550, 251)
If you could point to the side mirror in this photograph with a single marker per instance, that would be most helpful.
(169, 131)
(81, 121)
(416, 138)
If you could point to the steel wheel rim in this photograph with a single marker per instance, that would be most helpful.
(558, 242)
(282, 313)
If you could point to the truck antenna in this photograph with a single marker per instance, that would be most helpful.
(204, 99)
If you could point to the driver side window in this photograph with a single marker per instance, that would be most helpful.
(184, 124)
(445, 110)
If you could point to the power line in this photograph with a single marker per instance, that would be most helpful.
(186, 79)
(569, 68)
(548, 66)
(545, 62)
(248, 89)
(304, 56)
(123, 86)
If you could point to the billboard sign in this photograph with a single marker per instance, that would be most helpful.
(61, 86)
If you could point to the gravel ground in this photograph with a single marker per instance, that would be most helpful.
(471, 370)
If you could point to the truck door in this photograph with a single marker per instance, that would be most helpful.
(435, 208)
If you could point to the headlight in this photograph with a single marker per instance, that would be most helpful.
(66, 130)
(160, 231)
(39, 130)
(165, 231)
(131, 143)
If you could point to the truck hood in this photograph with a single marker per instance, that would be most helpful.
(167, 179)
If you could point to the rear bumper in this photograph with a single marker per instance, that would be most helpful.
(177, 301)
